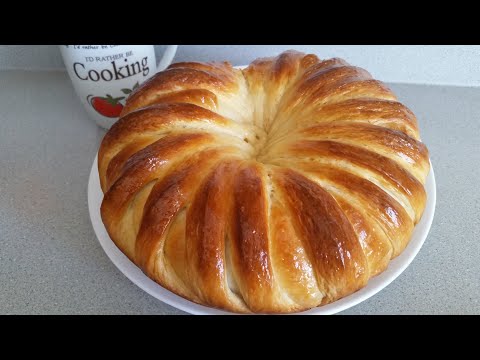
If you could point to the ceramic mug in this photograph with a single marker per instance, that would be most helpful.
(104, 75)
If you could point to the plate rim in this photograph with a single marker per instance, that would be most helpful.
(375, 284)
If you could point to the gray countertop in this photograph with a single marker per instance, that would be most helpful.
(52, 263)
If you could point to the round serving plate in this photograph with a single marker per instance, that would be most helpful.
(375, 284)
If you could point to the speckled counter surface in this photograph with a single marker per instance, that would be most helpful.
(52, 263)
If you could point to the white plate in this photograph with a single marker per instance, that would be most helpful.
(131, 271)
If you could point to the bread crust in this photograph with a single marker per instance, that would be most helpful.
(274, 189)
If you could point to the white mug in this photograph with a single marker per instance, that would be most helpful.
(104, 75)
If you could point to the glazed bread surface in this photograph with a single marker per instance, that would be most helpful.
(277, 188)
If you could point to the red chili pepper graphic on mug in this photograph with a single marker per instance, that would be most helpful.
(106, 106)
(109, 106)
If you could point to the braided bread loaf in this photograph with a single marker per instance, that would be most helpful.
(276, 188)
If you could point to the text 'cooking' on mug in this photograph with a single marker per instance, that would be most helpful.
(104, 75)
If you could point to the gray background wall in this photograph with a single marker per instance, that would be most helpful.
(423, 64)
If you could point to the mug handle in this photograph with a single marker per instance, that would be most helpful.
(167, 57)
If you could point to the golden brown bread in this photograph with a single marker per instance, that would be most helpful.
(276, 188)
